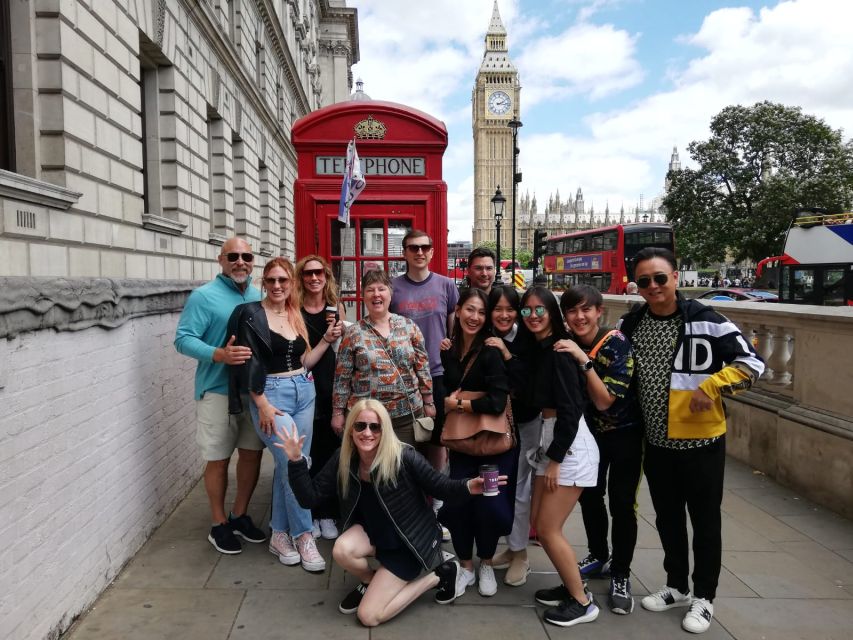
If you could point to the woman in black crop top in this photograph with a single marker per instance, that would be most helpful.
(278, 378)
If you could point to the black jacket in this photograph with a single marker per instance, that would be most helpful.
(405, 503)
(249, 324)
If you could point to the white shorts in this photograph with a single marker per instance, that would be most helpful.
(579, 467)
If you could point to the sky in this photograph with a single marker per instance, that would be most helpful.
(609, 87)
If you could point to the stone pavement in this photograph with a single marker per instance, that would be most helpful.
(787, 573)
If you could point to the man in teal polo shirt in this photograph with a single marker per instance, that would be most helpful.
(201, 335)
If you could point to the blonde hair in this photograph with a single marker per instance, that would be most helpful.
(389, 453)
(294, 315)
(330, 289)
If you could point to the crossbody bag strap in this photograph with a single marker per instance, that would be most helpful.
(399, 373)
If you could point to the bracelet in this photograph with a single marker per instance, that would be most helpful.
(459, 405)
(326, 341)
(429, 404)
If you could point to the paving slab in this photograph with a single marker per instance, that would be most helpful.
(779, 575)
(649, 576)
(823, 561)
(755, 518)
(829, 529)
(785, 619)
(778, 501)
(184, 564)
(144, 614)
(292, 614)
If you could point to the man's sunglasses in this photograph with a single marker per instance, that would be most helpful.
(415, 248)
(375, 427)
(246, 257)
(539, 310)
(645, 281)
(271, 281)
(307, 273)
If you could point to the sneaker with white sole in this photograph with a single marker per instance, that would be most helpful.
(311, 558)
(619, 597)
(552, 597)
(503, 559)
(464, 579)
(698, 617)
(445, 534)
(222, 538)
(448, 582)
(665, 598)
(592, 567)
(328, 529)
(486, 583)
(351, 601)
(572, 612)
(315, 529)
(519, 569)
(281, 545)
(244, 527)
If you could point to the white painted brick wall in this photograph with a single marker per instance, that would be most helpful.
(97, 446)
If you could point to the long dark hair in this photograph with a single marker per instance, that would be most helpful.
(484, 332)
(549, 301)
(495, 295)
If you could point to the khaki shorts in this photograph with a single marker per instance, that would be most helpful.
(218, 433)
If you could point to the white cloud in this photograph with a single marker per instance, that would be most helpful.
(595, 60)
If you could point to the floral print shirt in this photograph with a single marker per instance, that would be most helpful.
(370, 366)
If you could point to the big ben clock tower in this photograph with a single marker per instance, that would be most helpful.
(495, 100)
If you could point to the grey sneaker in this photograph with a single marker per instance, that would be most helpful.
(619, 597)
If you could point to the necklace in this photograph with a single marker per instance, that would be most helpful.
(275, 311)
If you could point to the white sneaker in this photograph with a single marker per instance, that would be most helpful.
(698, 617)
(315, 529)
(328, 530)
(445, 534)
(665, 598)
(486, 583)
(464, 579)
(281, 545)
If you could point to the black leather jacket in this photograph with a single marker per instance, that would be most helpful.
(249, 324)
(405, 503)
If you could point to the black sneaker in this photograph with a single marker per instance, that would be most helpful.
(592, 567)
(619, 597)
(350, 603)
(552, 597)
(246, 529)
(572, 612)
(223, 539)
(448, 576)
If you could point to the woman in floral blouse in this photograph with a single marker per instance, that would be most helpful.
(383, 356)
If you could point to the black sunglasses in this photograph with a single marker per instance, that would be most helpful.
(233, 257)
(271, 281)
(415, 248)
(660, 278)
(311, 272)
(375, 427)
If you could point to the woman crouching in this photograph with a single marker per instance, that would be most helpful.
(382, 486)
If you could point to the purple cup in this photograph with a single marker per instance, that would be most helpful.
(489, 474)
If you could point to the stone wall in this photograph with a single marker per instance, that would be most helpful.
(166, 126)
(97, 439)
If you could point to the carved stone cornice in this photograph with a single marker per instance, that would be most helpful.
(25, 189)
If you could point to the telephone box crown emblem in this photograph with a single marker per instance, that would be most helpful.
(370, 128)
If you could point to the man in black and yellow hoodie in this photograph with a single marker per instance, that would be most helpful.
(686, 356)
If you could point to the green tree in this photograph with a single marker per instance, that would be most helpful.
(760, 165)
(522, 256)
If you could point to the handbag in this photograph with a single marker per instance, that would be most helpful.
(422, 426)
(478, 434)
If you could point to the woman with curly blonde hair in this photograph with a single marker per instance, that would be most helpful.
(318, 295)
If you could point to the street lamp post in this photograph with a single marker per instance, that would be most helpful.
(515, 125)
(498, 204)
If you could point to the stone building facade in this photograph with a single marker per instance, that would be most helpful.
(144, 132)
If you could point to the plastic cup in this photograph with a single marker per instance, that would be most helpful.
(332, 313)
(489, 474)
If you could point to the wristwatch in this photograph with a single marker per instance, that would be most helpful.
(459, 405)
(586, 366)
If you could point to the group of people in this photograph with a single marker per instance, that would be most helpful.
(587, 410)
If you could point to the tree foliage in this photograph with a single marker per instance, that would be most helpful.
(760, 165)
(522, 256)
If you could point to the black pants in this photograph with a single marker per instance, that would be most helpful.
(691, 478)
(439, 393)
(621, 453)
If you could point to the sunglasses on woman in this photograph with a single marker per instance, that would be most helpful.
(539, 310)
(308, 273)
(645, 281)
(374, 427)
(271, 281)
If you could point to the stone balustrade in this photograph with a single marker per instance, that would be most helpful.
(796, 424)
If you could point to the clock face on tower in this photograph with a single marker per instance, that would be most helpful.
(499, 103)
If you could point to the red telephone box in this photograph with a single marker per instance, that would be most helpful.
(401, 152)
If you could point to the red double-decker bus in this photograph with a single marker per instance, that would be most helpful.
(602, 257)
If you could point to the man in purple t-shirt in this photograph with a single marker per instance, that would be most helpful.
(429, 299)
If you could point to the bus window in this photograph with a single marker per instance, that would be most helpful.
(597, 242)
(611, 241)
(803, 285)
(833, 286)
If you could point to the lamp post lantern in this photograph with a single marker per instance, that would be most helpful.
(498, 204)
(515, 125)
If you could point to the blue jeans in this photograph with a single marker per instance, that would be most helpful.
(295, 397)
